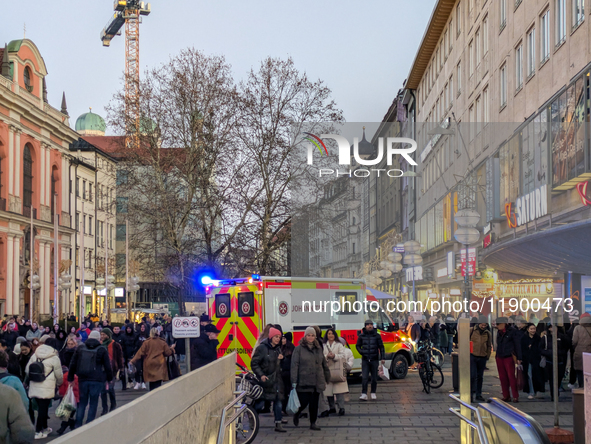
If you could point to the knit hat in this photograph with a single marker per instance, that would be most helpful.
(585, 318)
(44, 338)
(482, 319)
(274, 332)
(502, 320)
(94, 335)
(108, 332)
(288, 336)
(310, 331)
(368, 322)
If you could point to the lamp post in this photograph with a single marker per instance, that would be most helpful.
(412, 258)
(65, 283)
(467, 234)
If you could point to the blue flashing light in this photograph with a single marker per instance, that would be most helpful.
(207, 280)
(256, 277)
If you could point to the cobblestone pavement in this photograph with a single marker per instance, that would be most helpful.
(403, 413)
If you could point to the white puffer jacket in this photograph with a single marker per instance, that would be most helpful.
(53, 373)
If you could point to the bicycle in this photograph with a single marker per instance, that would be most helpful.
(248, 422)
(430, 373)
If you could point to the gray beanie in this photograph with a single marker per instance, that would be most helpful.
(311, 331)
(94, 335)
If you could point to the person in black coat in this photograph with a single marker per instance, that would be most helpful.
(129, 346)
(204, 348)
(530, 352)
(266, 365)
(508, 351)
(371, 348)
(287, 348)
(10, 335)
(13, 366)
(546, 350)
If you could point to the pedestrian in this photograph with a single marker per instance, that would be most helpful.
(116, 359)
(71, 420)
(92, 366)
(434, 330)
(546, 349)
(371, 348)
(450, 324)
(23, 358)
(129, 346)
(530, 352)
(23, 327)
(10, 335)
(15, 425)
(481, 339)
(13, 367)
(264, 335)
(266, 365)
(508, 354)
(443, 338)
(44, 373)
(336, 358)
(68, 350)
(309, 375)
(11, 380)
(287, 349)
(204, 348)
(35, 344)
(204, 320)
(581, 344)
(153, 353)
(117, 335)
(142, 335)
(61, 339)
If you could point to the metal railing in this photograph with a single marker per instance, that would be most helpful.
(478, 427)
(225, 423)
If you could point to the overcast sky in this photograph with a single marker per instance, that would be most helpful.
(361, 50)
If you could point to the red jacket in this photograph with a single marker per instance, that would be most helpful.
(64, 387)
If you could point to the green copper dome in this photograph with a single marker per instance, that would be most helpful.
(90, 124)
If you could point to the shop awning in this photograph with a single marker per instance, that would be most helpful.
(379, 294)
(546, 253)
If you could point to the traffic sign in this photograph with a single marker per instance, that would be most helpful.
(186, 327)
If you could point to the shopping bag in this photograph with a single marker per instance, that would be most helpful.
(173, 368)
(293, 403)
(337, 371)
(520, 378)
(67, 406)
(383, 373)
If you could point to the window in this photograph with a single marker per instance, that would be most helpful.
(531, 53)
(246, 304)
(478, 114)
(451, 30)
(519, 67)
(472, 124)
(578, 12)
(90, 191)
(503, 86)
(77, 187)
(353, 247)
(459, 77)
(121, 232)
(560, 17)
(111, 236)
(122, 177)
(27, 177)
(84, 189)
(471, 57)
(445, 44)
(90, 225)
(459, 18)
(485, 36)
(77, 221)
(545, 37)
(451, 90)
(27, 79)
(485, 106)
(477, 47)
(84, 224)
(122, 204)
(503, 22)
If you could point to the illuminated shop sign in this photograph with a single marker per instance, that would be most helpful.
(525, 287)
(528, 207)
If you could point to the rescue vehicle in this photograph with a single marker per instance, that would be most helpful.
(240, 309)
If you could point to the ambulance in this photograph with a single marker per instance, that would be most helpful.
(240, 309)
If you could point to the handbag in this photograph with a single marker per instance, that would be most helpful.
(338, 372)
(173, 368)
(543, 360)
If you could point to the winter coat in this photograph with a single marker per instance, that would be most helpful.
(53, 372)
(75, 388)
(530, 352)
(118, 337)
(508, 344)
(15, 383)
(481, 342)
(10, 338)
(443, 337)
(60, 337)
(287, 352)
(66, 355)
(15, 424)
(581, 343)
(434, 333)
(115, 356)
(370, 346)
(564, 344)
(101, 373)
(32, 334)
(23, 360)
(309, 369)
(265, 362)
(129, 344)
(335, 388)
(13, 366)
(203, 351)
(154, 352)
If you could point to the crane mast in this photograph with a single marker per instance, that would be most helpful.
(128, 12)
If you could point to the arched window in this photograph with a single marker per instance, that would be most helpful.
(53, 190)
(27, 79)
(27, 178)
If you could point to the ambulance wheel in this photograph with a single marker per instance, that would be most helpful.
(399, 367)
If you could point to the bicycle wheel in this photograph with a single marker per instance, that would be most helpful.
(436, 380)
(247, 426)
(424, 379)
(438, 357)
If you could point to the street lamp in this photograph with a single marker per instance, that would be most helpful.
(33, 285)
(412, 258)
(65, 283)
(467, 234)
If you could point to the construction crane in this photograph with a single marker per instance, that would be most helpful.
(128, 12)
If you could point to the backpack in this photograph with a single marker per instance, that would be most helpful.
(37, 371)
(86, 362)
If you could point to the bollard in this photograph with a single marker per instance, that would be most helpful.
(579, 415)
(455, 374)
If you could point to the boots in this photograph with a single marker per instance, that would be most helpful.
(314, 427)
(62, 428)
(279, 428)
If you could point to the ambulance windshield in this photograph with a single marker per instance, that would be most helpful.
(382, 321)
